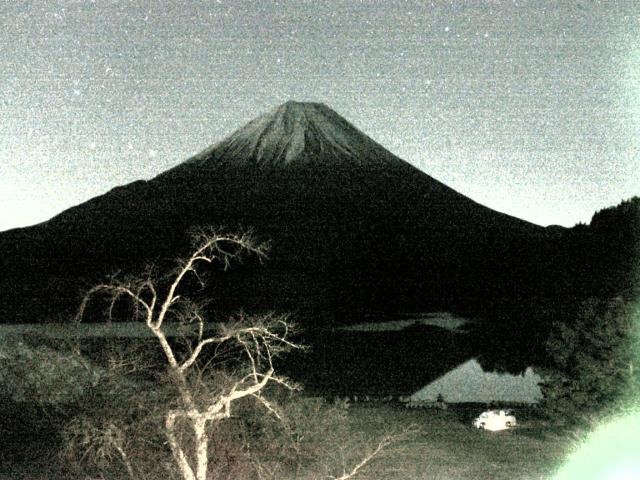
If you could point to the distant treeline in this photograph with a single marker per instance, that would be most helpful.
(595, 264)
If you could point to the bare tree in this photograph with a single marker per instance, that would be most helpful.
(160, 302)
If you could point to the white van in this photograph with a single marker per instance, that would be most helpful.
(495, 420)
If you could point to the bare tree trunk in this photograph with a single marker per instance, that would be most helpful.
(202, 444)
(178, 454)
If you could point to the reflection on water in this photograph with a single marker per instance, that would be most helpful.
(470, 383)
(444, 320)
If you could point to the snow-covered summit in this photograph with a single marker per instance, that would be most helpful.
(298, 132)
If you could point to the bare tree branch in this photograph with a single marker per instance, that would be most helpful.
(382, 444)
(196, 352)
(259, 340)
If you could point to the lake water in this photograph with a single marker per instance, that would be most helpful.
(424, 354)
(86, 330)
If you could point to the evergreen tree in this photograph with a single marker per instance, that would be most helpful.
(593, 365)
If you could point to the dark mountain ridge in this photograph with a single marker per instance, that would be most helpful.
(353, 228)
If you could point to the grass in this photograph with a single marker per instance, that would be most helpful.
(446, 447)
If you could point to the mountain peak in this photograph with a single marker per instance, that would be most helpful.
(298, 133)
(294, 105)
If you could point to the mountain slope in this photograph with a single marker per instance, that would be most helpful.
(353, 227)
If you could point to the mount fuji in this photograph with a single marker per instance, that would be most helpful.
(352, 228)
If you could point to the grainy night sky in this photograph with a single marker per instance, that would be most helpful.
(531, 108)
